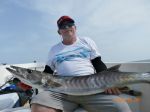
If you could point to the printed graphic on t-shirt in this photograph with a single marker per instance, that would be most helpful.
(71, 55)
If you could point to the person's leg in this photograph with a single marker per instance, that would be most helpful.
(104, 103)
(51, 102)
(41, 108)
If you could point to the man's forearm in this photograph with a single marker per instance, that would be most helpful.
(48, 70)
(98, 64)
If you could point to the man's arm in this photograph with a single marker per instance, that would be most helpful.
(48, 69)
(98, 64)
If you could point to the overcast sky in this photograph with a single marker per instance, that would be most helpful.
(120, 28)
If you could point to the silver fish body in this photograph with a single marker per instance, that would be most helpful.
(79, 85)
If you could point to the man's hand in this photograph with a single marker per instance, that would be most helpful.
(114, 91)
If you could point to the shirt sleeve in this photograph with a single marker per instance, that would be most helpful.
(98, 64)
(94, 49)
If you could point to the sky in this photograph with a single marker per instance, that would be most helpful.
(120, 28)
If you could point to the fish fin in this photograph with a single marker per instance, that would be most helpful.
(51, 83)
(114, 68)
(55, 84)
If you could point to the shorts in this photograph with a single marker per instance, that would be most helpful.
(91, 103)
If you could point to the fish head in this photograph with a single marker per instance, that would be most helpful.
(34, 78)
(26, 75)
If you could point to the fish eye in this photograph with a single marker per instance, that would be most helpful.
(29, 71)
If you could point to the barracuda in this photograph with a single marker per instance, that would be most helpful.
(79, 85)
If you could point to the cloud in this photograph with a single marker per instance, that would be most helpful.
(119, 27)
(97, 12)
(47, 6)
(116, 14)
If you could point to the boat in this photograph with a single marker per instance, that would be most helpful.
(136, 103)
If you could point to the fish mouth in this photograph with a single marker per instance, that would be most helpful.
(11, 70)
(18, 69)
(16, 73)
(14, 67)
(28, 78)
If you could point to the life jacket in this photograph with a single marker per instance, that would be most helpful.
(24, 86)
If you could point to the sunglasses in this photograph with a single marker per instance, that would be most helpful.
(67, 25)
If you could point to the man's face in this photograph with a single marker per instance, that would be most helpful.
(67, 30)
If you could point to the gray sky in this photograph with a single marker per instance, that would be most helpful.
(120, 28)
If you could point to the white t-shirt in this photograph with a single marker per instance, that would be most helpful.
(75, 59)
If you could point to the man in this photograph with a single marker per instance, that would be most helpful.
(75, 56)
